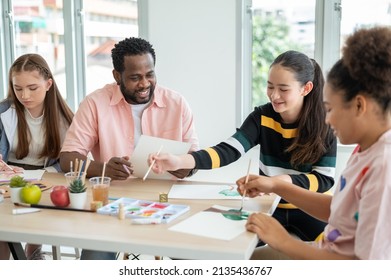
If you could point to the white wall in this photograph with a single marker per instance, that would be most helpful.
(197, 55)
(343, 154)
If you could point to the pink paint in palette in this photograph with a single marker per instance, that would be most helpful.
(144, 211)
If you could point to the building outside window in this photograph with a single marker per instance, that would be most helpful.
(278, 26)
(39, 28)
(281, 25)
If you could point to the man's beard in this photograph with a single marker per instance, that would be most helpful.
(131, 96)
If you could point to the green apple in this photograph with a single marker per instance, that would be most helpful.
(30, 194)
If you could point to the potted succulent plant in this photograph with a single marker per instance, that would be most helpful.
(77, 193)
(16, 184)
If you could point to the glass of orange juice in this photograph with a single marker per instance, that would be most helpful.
(100, 189)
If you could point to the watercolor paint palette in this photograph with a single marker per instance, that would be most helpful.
(144, 210)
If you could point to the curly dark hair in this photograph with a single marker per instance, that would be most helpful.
(365, 66)
(130, 46)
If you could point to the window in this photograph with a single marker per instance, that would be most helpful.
(49, 27)
(279, 26)
(105, 25)
(39, 28)
(75, 37)
(35, 27)
(361, 13)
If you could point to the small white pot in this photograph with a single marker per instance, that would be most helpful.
(15, 195)
(78, 200)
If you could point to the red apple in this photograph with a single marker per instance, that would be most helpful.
(59, 196)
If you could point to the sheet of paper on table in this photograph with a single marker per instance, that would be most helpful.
(212, 223)
(28, 175)
(204, 191)
(148, 145)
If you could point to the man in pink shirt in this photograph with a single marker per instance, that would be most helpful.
(110, 120)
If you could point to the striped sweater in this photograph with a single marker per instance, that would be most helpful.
(264, 127)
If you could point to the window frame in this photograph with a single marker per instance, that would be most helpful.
(7, 43)
(75, 57)
(327, 19)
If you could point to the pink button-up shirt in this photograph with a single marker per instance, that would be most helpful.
(103, 124)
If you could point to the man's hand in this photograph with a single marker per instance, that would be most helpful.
(119, 168)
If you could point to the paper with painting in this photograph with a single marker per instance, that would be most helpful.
(218, 222)
(204, 191)
(148, 145)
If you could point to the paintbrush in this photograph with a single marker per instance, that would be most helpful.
(153, 162)
(51, 207)
(6, 165)
(245, 182)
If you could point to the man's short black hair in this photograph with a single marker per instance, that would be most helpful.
(130, 46)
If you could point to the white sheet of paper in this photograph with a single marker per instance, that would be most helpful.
(28, 175)
(204, 192)
(211, 225)
(148, 145)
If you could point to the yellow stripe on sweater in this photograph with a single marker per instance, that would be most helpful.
(286, 206)
(314, 185)
(214, 157)
(276, 126)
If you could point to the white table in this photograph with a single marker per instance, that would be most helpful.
(107, 233)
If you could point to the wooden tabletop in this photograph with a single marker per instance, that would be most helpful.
(108, 233)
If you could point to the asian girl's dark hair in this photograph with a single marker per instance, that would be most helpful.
(314, 135)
